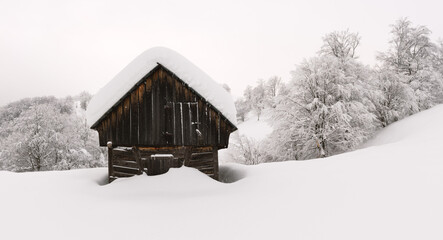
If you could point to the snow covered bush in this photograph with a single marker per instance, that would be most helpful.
(250, 151)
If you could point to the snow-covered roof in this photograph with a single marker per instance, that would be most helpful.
(198, 80)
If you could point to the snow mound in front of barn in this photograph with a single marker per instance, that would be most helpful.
(126, 79)
(392, 189)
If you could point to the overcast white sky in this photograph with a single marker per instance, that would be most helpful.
(58, 47)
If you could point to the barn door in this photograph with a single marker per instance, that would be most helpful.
(182, 123)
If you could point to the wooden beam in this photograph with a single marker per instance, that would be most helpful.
(130, 164)
(137, 157)
(133, 171)
(188, 155)
(123, 174)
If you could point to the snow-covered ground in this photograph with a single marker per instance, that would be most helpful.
(393, 189)
(252, 128)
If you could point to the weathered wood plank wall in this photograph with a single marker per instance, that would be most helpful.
(163, 111)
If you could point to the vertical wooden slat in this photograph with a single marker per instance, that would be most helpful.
(157, 113)
(110, 128)
(152, 132)
(218, 129)
(122, 124)
(171, 82)
(100, 134)
(188, 155)
(198, 126)
(148, 112)
(178, 131)
(130, 120)
(110, 168)
(114, 125)
(141, 115)
(174, 132)
(137, 157)
(190, 132)
(106, 130)
(207, 124)
(126, 121)
(211, 139)
(134, 118)
(181, 125)
(119, 122)
(215, 159)
(161, 116)
(179, 88)
(222, 132)
(186, 124)
(186, 94)
(169, 123)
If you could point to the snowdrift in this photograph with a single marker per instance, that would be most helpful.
(392, 189)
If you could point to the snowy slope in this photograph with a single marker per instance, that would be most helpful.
(255, 130)
(418, 126)
(392, 189)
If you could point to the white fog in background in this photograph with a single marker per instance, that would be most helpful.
(64, 47)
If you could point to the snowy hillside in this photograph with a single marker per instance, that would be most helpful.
(393, 189)
(253, 129)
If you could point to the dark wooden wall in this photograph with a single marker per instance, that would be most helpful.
(127, 162)
(161, 110)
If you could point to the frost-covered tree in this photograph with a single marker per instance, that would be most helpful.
(340, 44)
(259, 97)
(391, 97)
(273, 87)
(284, 142)
(34, 136)
(242, 109)
(326, 111)
(84, 98)
(258, 101)
(326, 108)
(412, 55)
(410, 48)
(334, 103)
(438, 61)
(44, 134)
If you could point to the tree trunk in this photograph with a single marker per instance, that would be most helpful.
(320, 147)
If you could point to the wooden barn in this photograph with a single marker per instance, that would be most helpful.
(161, 111)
